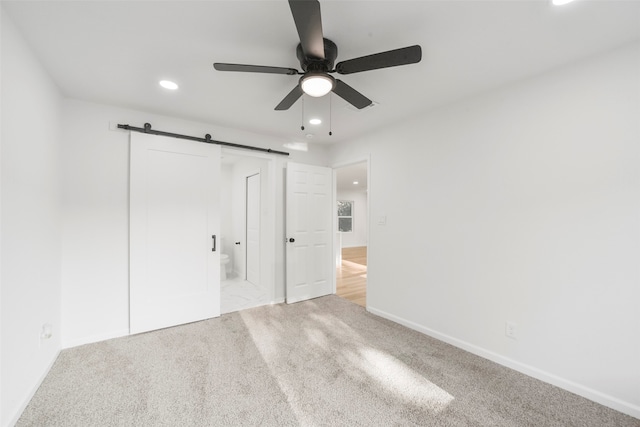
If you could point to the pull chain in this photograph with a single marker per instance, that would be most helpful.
(330, 115)
(302, 118)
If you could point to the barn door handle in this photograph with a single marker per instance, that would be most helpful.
(214, 243)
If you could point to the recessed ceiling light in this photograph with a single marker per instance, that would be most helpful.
(315, 121)
(355, 182)
(167, 84)
(560, 2)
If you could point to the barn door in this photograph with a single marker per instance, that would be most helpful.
(174, 232)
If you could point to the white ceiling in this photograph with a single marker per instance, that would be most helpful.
(115, 52)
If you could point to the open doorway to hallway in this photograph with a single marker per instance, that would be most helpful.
(352, 218)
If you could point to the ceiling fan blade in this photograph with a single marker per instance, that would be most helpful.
(351, 95)
(290, 99)
(254, 68)
(391, 58)
(306, 15)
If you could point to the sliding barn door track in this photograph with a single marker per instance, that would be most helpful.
(207, 139)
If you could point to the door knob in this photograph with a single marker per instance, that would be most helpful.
(291, 239)
(237, 243)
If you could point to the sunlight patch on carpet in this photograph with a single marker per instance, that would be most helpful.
(396, 378)
(339, 365)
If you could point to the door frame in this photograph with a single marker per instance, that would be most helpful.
(362, 159)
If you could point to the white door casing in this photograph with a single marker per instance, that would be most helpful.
(174, 214)
(253, 228)
(309, 214)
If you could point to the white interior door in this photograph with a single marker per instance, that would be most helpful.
(309, 213)
(174, 216)
(253, 229)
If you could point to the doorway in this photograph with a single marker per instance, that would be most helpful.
(352, 231)
(246, 208)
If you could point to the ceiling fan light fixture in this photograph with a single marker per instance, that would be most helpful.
(317, 84)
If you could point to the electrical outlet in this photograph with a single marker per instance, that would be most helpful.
(46, 332)
(511, 330)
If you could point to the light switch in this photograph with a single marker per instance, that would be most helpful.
(382, 220)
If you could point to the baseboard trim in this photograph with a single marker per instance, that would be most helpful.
(579, 389)
(16, 416)
(95, 338)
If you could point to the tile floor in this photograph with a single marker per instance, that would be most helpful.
(237, 294)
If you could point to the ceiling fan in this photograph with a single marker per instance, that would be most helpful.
(317, 56)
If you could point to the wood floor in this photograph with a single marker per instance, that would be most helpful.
(351, 277)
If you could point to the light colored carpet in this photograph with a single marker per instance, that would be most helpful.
(315, 363)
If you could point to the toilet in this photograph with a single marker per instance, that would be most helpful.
(224, 261)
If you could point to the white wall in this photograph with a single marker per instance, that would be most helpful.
(95, 169)
(519, 205)
(226, 210)
(358, 237)
(30, 293)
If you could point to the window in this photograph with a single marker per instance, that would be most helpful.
(345, 216)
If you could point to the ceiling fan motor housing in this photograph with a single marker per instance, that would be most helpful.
(317, 64)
